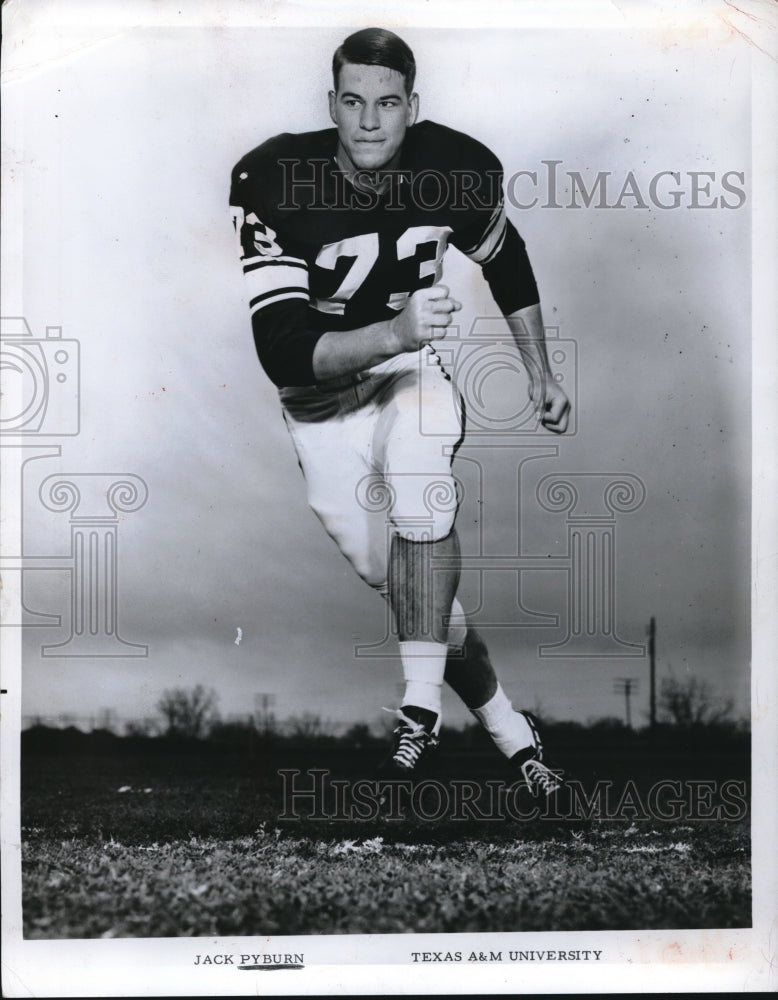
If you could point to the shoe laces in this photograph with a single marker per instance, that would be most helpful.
(413, 740)
(540, 778)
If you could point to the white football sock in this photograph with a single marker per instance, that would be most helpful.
(509, 730)
(424, 664)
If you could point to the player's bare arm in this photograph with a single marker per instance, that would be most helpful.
(425, 318)
(551, 403)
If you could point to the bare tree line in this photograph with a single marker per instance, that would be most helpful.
(192, 713)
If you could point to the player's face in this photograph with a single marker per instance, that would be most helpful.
(372, 111)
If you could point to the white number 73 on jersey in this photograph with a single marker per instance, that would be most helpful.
(364, 251)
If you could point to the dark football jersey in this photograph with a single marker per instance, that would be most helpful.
(320, 254)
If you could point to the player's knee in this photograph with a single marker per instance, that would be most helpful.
(372, 571)
(363, 552)
(433, 530)
(425, 508)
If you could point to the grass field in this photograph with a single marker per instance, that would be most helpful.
(123, 845)
(271, 883)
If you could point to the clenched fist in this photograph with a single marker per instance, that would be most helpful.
(425, 318)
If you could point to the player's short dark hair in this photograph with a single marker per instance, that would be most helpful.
(376, 47)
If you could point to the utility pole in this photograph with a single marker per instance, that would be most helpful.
(652, 655)
(625, 686)
(263, 704)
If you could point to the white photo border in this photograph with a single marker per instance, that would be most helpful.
(648, 961)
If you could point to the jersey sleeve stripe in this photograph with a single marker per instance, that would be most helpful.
(492, 238)
(278, 295)
(496, 218)
(251, 263)
(496, 249)
(267, 280)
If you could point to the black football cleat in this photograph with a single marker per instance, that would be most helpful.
(414, 740)
(540, 779)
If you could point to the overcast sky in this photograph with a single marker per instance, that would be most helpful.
(127, 150)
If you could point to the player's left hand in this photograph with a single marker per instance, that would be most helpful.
(551, 404)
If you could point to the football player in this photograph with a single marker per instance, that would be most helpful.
(342, 235)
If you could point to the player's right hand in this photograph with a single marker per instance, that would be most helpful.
(426, 317)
